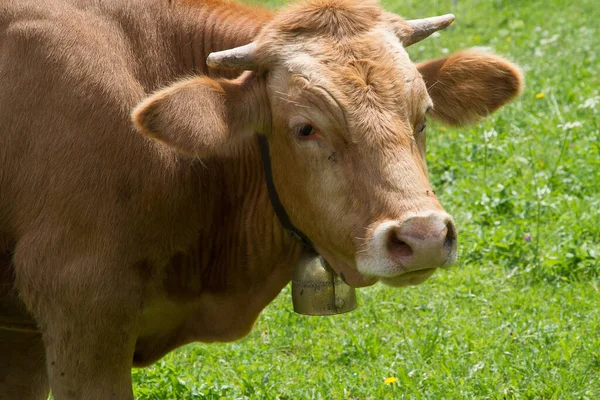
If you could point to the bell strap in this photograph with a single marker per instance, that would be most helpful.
(282, 215)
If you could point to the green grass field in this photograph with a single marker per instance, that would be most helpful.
(519, 317)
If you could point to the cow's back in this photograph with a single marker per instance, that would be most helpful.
(72, 165)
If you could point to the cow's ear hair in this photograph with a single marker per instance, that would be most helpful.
(200, 116)
(469, 85)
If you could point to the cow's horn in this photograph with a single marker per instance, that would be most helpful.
(239, 58)
(422, 28)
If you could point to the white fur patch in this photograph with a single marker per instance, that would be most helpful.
(375, 259)
(298, 59)
(393, 44)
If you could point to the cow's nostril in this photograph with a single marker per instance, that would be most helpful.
(450, 239)
(398, 247)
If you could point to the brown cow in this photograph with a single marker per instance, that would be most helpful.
(122, 246)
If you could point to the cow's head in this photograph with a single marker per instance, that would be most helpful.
(344, 110)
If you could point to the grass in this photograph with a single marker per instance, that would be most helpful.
(519, 318)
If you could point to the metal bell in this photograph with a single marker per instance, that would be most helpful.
(318, 290)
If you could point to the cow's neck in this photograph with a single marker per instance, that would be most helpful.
(239, 262)
(241, 241)
(240, 257)
(216, 25)
(171, 39)
(242, 245)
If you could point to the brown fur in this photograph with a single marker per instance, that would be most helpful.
(122, 248)
(338, 19)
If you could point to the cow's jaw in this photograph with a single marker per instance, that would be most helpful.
(347, 269)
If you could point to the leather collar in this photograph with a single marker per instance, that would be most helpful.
(282, 215)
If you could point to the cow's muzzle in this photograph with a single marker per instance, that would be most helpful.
(419, 242)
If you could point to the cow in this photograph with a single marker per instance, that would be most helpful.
(134, 210)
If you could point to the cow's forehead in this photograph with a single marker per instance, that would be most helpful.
(371, 75)
(320, 58)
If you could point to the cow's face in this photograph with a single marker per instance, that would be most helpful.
(344, 110)
(348, 154)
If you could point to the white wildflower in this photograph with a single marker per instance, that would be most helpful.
(553, 39)
(484, 199)
(570, 125)
(487, 135)
(591, 103)
(476, 368)
(542, 191)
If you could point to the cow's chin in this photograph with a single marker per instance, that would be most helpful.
(348, 271)
(409, 278)
(351, 276)
(355, 279)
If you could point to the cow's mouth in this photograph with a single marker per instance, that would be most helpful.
(353, 278)
(350, 273)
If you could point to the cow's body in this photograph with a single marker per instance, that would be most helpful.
(79, 188)
(116, 246)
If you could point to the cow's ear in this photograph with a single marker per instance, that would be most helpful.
(200, 116)
(469, 85)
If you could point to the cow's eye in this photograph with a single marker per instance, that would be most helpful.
(422, 128)
(305, 131)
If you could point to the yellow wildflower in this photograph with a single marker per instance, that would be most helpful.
(539, 96)
(390, 380)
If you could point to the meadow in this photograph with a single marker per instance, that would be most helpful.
(519, 316)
